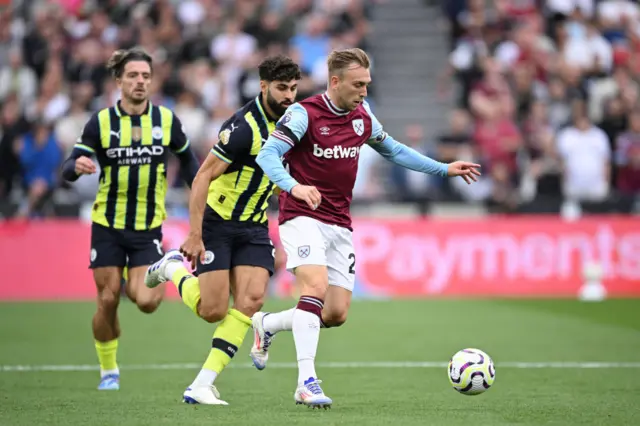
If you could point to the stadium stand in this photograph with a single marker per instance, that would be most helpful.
(542, 93)
(547, 101)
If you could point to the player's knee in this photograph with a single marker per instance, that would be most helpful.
(334, 318)
(250, 303)
(147, 306)
(108, 300)
(212, 314)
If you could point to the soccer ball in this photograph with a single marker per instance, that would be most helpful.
(471, 371)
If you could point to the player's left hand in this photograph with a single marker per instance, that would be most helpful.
(468, 171)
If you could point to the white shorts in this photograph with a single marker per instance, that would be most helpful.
(308, 241)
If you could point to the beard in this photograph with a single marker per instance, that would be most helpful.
(137, 98)
(277, 108)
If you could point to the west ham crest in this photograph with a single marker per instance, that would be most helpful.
(303, 251)
(358, 126)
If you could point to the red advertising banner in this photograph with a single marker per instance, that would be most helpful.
(513, 257)
(497, 256)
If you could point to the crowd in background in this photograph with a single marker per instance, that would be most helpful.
(547, 90)
(548, 100)
(205, 53)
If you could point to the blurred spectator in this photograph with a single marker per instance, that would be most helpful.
(16, 77)
(589, 50)
(40, 158)
(52, 102)
(491, 95)
(314, 44)
(627, 157)
(456, 144)
(558, 104)
(69, 128)
(585, 151)
(542, 169)
(618, 84)
(614, 121)
(12, 125)
(194, 119)
(615, 16)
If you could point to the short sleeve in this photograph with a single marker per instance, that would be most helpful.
(234, 139)
(377, 131)
(179, 139)
(292, 125)
(89, 140)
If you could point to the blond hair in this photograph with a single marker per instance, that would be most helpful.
(340, 60)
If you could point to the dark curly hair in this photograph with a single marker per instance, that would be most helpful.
(121, 57)
(279, 68)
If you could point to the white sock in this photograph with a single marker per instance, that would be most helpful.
(306, 334)
(171, 268)
(204, 378)
(115, 372)
(278, 321)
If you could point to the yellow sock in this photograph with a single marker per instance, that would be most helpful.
(188, 286)
(227, 339)
(107, 354)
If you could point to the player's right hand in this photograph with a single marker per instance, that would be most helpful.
(85, 166)
(308, 194)
(193, 249)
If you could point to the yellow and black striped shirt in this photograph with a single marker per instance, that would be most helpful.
(242, 193)
(132, 151)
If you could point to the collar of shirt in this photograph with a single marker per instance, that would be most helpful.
(263, 112)
(121, 112)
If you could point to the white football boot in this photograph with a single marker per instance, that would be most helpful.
(156, 273)
(206, 395)
(310, 394)
(261, 341)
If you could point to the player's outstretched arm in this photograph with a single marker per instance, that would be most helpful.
(405, 156)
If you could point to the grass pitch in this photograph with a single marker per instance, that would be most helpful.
(557, 362)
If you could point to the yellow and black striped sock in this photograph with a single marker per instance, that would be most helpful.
(227, 338)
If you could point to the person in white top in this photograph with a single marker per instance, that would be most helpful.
(586, 153)
(591, 52)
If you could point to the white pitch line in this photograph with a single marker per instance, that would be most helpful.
(291, 365)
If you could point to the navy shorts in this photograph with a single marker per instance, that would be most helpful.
(229, 244)
(124, 247)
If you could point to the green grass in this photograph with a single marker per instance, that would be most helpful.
(509, 330)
